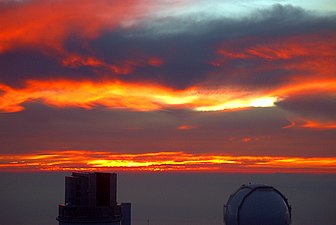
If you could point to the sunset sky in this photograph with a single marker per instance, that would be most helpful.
(168, 85)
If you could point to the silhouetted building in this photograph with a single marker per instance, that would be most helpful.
(126, 213)
(256, 204)
(91, 199)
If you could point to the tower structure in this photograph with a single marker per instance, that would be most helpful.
(91, 199)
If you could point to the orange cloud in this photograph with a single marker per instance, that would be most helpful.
(297, 86)
(123, 68)
(46, 23)
(185, 127)
(312, 57)
(319, 125)
(312, 124)
(311, 45)
(163, 161)
(155, 61)
(131, 96)
(247, 139)
(87, 94)
(147, 97)
(295, 47)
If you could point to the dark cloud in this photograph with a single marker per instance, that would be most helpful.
(186, 53)
(312, 105)
(250, 132)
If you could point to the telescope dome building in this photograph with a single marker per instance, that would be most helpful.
(256, 204)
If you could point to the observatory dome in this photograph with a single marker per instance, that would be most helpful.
(256, 204)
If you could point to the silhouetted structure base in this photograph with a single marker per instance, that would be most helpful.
(90, 199)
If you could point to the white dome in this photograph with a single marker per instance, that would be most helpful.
(257, 205)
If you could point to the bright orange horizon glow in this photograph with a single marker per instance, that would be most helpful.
(80, 160)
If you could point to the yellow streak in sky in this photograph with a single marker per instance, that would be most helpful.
(241, 103)
(147, 97)
(163, 161)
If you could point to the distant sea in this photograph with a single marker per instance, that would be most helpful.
(168, 198)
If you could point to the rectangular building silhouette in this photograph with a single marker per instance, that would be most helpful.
(91, 199)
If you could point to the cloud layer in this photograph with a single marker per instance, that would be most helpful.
(144, 76)
(162, 161)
